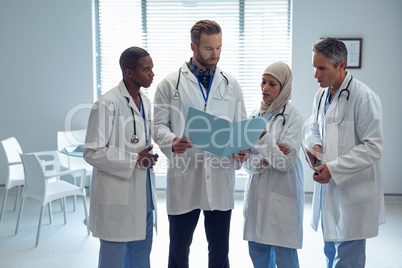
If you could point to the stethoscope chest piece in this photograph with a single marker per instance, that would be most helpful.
(134, 139)
(176, 95)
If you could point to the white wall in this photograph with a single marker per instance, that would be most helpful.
(45, 68)
(379, 24)
(46, 65)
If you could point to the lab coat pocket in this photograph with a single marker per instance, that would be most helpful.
(112, 190)
(343, 134)
(346, 136)
(222, 106)
(362, 186)
(282, 209)
(336, 112)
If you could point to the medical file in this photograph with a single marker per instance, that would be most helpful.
(220, 136)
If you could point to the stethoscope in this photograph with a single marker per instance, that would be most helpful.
(340, 93)
(176, 93)
(279, 114)
(135, 138)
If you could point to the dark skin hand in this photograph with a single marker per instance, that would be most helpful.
(146, 159)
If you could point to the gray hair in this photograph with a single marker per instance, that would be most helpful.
(332, 48)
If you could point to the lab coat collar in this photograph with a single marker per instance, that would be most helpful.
(199, 70)
(125, 94)
(343, 86)
(217, 79)
(337, 110)
(345, 81)
(287, 109)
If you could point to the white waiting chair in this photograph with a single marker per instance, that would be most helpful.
(71, 138)
(45, 188)
(14, 173)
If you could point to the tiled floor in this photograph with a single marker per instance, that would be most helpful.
(69, 246)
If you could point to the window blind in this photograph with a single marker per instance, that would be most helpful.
(255, 34)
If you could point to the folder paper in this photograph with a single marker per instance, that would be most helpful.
(220, 136)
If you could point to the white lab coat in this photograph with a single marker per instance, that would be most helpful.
(274, 194)
(118, 207)
(351, 137)
(196, 179)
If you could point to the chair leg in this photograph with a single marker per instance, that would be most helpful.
(4, 205)
(75, 197)
(64, 210)
(16, 197)
(39, 226)
(74, 203)
(86, 213)
(89, 179)
(19, 215)
(50, 212)
(89, 184)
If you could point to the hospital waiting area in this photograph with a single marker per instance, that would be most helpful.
(68, 245)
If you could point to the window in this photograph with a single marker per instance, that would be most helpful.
(255, 34)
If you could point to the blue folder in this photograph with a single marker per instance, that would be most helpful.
(220, 136)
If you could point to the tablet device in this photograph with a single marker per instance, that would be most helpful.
(317, 162)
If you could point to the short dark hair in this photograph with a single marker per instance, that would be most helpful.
(130, 57)
(332, 48)
(204, 26)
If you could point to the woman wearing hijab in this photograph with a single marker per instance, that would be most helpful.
(274, 195)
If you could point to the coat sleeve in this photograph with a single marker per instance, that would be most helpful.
(268, 147)
(311, 132)
(240, 113)
(240, 106)
(369, 135)
(97, 152)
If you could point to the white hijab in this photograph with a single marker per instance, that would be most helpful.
(282, 72)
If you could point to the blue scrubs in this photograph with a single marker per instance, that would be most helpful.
(127, 254)
(347, 254)
(266, 256)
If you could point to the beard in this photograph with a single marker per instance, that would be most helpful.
(204, 62)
